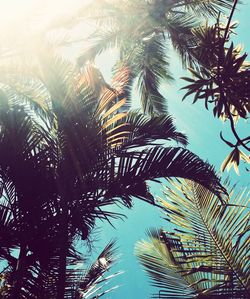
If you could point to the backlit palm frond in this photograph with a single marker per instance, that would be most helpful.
(28, 78)
(138, 29)
(112, 109)
(122, 82)
(95, 280)
(130, 170)
(209, 248)
(56, 73)
(133, 128)
(93, 107)
(144, 130)
(146, 59)
(110, 114)
(162, 268)
(75, 102)
(151, 68)
(90, 76)
(100, 42)
(117, 27)
(18, 82)
(207, 8)
(179, 27)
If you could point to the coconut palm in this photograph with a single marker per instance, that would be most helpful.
(67, 152)
(142, 31)
(206, 255)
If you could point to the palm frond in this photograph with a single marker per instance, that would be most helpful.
(139, 30)
(204, 7)
(129, 171)
(179, 28)
(151, 69)
(100, 42)
(158, 261)
(144, 130)
(209, 248)
(96, 279)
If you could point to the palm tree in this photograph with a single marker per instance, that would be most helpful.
(90, 282)
(206, 255)
(142, 31)
(66, 153)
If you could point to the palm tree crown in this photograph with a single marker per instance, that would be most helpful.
(142, 31)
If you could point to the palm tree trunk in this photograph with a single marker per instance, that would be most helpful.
(19, 273)
(61, 283)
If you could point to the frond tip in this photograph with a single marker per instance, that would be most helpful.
(95, 279)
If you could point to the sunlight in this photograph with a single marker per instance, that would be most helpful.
(22, 22)
(15, 13)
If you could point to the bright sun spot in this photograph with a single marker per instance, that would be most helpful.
(15, 13)
(22, 20)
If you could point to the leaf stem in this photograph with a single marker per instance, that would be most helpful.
(229, 20)
(240, 142)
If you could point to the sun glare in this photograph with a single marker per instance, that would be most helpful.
(22, 21)
(14, 13)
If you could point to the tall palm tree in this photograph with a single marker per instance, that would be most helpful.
(142, 31)
(207, 253)
(66, 153)
(85, 281)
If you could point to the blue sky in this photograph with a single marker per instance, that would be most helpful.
(203, 132)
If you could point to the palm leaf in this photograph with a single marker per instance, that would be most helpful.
(162, 268)
(95, 280)
(128, 172)
(208, 8)
(144, 130)
(209, 246)
(139, 29)
(152, 68)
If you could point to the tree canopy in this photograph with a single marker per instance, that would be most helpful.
(71, 146)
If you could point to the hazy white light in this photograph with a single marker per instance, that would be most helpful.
(23, 21)
(103, 262)
(13, 13)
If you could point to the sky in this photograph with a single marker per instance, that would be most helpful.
(200, 126)
(203, 132)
